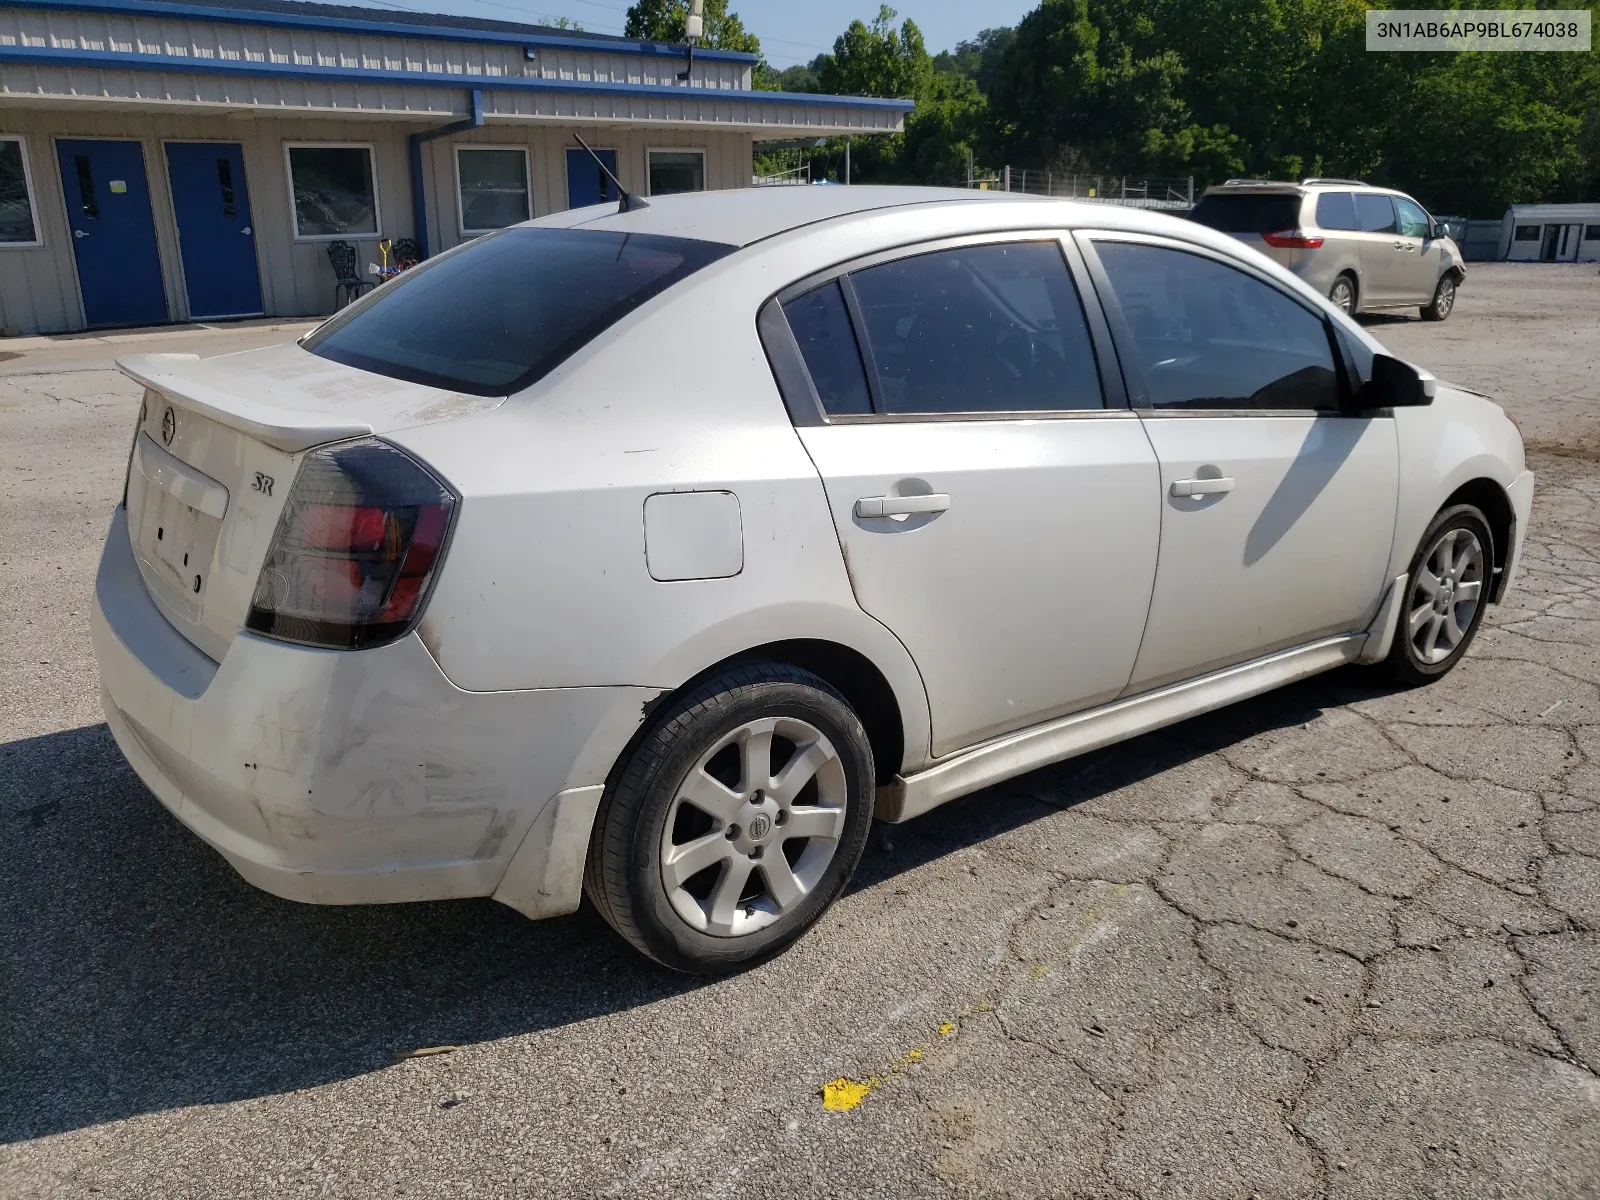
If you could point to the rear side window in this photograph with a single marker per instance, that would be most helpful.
(1248, 213)
(1336, 210)
(1527, 233)
(1210, 337)
(500, 313)
(1374, 213)
(977, 329)
(821, 326)
(1591, 233)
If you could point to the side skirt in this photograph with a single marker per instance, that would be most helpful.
(1067, 737)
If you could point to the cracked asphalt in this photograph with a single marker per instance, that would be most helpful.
(1340, 941)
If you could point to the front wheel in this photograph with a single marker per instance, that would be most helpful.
(1446, 593)
(1444, 299)
(735, 822)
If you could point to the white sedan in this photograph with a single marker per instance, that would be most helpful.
(650, 554)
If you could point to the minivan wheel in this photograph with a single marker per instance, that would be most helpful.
(1342, 295)
(1446, 594)
(1444, 299)
(735, 822)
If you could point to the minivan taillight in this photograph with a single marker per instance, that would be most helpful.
(357, 547)
(1292, 239)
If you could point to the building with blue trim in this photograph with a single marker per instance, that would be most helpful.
(196, 160)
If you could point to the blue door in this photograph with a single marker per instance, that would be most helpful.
(215, 234)
(113, 233)
(586, 183)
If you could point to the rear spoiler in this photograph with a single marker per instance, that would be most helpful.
(280, 426)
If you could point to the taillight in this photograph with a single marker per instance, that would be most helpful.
(1292, 239)
(356, 548)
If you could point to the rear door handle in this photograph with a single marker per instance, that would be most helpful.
(1202, 487)
(901, 506)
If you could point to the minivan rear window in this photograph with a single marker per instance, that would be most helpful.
(1248, 213)
(504, 311)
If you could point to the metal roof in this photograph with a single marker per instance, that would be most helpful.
(293, 14)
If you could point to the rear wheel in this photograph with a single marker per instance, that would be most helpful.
(735, 822)
(1342, 295)
(1444, 299)
(1446, 593)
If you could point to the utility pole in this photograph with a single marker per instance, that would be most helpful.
(847, 162)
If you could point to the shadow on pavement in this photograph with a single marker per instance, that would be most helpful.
(140, 973)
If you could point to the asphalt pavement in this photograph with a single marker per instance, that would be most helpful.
(1339, 941)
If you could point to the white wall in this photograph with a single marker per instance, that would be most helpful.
(39, 287)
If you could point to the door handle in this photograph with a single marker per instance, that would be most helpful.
(78, 233)
(1202, 487)
(901, 506)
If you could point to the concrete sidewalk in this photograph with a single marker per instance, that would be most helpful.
(92, 351)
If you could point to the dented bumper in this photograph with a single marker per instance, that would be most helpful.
(340, 777)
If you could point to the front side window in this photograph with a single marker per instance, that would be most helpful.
(677, 171)
(977, 329)
(1412, 220)
(1207, 336)
(1336, 210)
(493, 316)
(18, 225)
(494, 187)
(334, 191)
(1374, 213)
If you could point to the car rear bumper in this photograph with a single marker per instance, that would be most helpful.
(341, 777)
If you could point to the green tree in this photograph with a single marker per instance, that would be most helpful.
(667, 21)
(878, 60)
(978, 59)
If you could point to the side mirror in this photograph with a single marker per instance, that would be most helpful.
(1395, 384)
(1437, 230)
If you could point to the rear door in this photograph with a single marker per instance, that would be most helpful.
(994, 511)
(1384, 278)
(1278, 511)
(113, 231)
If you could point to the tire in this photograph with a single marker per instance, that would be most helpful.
(1434, 631)
(1343, 294)
(689, 861)
(1444, 300)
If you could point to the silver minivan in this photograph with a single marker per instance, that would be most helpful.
(1365, 248)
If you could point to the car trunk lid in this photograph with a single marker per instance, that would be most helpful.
(216, 450)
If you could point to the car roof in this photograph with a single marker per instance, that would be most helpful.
(741, 216)
(1286, 187)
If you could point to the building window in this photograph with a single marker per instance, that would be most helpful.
(677, 171)
(333, 190)
(18, 225)
(493, 186)
(1527, 233)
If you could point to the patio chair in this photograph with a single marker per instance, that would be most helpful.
(349, 285)
(404, 252)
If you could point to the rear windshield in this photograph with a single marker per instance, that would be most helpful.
(508, 308)
(1248, 213)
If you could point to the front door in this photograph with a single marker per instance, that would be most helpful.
(113, 231)
(993, 513)
(1278, 511)
(586, 182)
(215, 235)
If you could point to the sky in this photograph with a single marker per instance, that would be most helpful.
(791, 31)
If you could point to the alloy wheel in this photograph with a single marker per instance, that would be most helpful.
(1445, 595)
(1445, 300)
(1342, 296)
(753, 826)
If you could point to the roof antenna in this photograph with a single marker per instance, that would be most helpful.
(694, 27)
(628, 201)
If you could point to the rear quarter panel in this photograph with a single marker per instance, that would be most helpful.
(546, 583)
